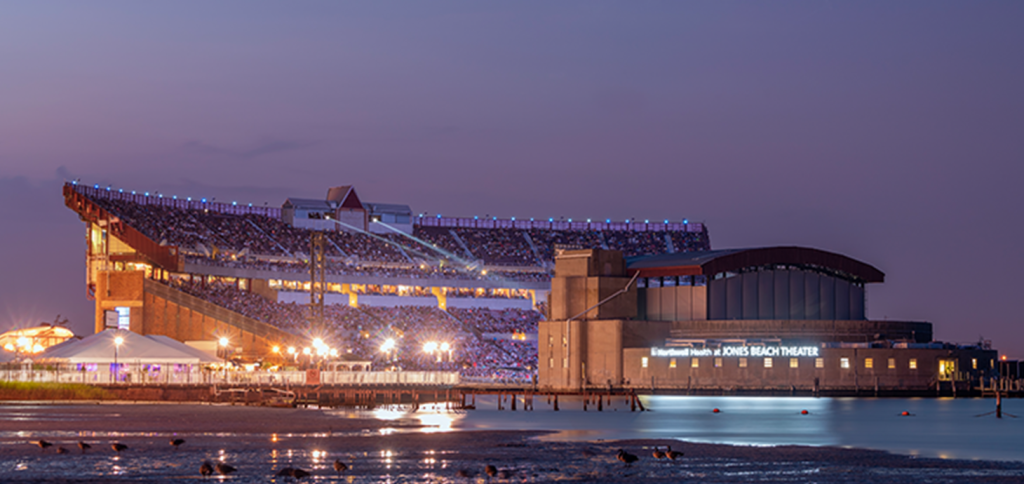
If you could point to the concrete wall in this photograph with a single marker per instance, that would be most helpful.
(678, 303)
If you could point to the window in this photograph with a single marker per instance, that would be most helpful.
(892, 363)
(767, 362)
(551, 340)
(718, 362)
(123, 318)
(819, 362)
(564, 342)
(974, 363)
(551, 362)
(743, 362)
(694, 362)
(844, 362)
(913, 363)
(672, 363)
(643, 362)
(869, 362)
(565, 363)
(794, 363)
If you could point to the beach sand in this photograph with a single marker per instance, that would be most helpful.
(260, 441)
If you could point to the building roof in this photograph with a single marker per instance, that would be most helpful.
(307, 204)
(712, 262)
(375, 208)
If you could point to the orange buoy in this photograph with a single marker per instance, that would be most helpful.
(714, 411)
(804, 412)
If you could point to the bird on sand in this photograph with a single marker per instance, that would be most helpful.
(42, 444)
(206, 469)
(626, 457)
(657, 454)
(62, 450)
(339, 466)
(671, 454)
(177, 442)
(293, 472)
(490, 470)
(84, 446)
(224, 469)
(118, 447)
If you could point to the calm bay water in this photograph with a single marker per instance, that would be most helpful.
(945, 427)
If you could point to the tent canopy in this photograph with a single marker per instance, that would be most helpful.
(100, 348)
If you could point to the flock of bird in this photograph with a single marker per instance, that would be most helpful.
(206, 469)
(629, 459)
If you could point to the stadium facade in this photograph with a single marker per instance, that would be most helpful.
(196, 270)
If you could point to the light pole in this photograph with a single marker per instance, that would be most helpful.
(224, 347)
(118, 341)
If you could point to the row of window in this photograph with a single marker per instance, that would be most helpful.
(793, 362)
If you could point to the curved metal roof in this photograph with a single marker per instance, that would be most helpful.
(713, 262)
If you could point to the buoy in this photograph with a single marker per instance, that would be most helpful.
(715, 411)
(905, 413)
(804, 412)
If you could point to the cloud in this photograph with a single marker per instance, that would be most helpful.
(265, 146)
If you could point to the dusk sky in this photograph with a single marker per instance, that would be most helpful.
(892, 132)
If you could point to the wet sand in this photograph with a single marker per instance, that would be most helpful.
(260, 441)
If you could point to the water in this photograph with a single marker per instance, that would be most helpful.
(945, 427)
(421, 446)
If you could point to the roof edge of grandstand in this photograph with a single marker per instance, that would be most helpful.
(710, 263)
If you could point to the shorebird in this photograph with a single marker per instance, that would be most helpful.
(657, 454)
(339, 466)
(626, 457)
(62, 450)
(224, 469)
(206, 469)
(84, 446)
(299, 473)
(118, 447)
(490, 470)
(671, 454)
(177, 442)
(42, 444)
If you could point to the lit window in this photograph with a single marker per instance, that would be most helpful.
(564, 342)
(718, 362)
(991, 364)
(643, 362)
(551, 340)
(974, 363)
(767, 362)
(743, 362)
(913, 363)
(869, 362)
(123, 318)
(794, 363)
(565, 362)
(694, 363)
(551, 362)
(819, 362)
(892, 363)
(844, 362)
(672, 363)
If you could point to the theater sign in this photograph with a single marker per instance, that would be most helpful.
(740, 351)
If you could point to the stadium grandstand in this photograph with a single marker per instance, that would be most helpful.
(372, 280)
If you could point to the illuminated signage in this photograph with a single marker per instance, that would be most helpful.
(755, 351)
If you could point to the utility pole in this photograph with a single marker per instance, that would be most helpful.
(317, 281)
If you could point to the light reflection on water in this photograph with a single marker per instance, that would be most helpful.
(946, 428)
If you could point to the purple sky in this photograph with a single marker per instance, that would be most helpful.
(890, 132)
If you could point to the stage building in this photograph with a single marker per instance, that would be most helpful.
(758, 320)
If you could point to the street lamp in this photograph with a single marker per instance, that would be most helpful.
(224, 347)
(118, 341)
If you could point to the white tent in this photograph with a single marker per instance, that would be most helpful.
(203, 356)
(100, 348)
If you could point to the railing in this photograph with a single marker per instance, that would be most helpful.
(501, 223)
(135, 374)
